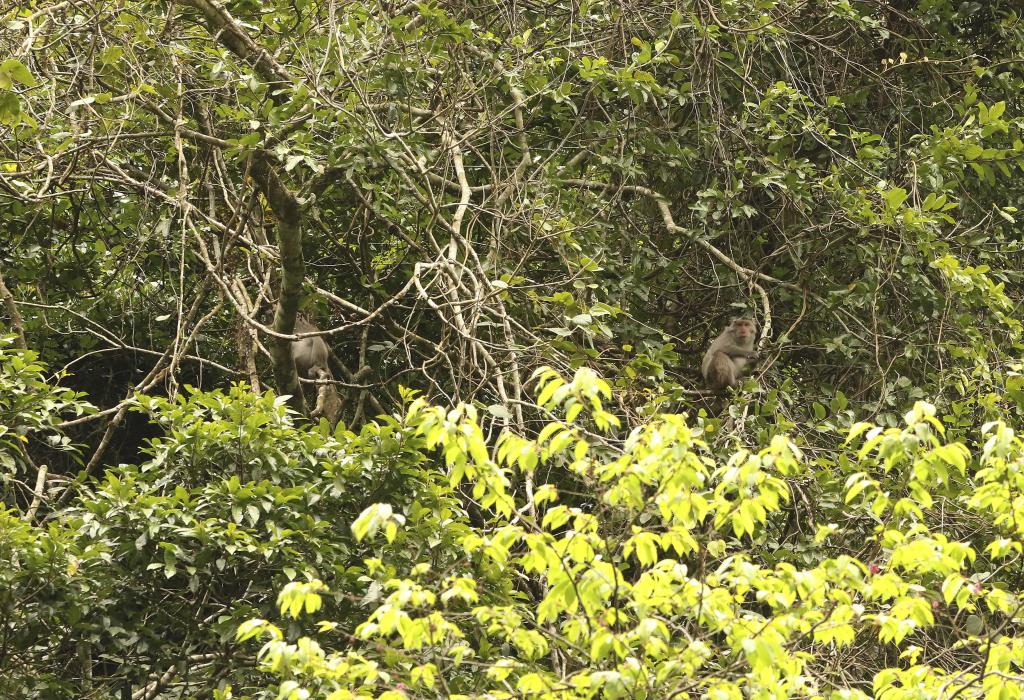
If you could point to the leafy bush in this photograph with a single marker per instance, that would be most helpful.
(671, 581)
(154, 566)
(31, 410)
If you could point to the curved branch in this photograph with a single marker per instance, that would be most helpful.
(671, 225)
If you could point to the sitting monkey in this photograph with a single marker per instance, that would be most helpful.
(729, 354)
(312, 358)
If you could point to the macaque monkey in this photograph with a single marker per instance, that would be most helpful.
(310, 354)
(729, 353)
(311, 357)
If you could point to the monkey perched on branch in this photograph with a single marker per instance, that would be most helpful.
(729, 354)
(310, 354)
(312, 361)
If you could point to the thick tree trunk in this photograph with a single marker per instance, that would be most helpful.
(283, 203)
(293, 272)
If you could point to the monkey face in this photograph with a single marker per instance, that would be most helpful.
(743, 328)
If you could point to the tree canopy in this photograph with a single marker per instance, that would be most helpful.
(517, 226)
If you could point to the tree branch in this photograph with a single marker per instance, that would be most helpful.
(671, 225)
(229, 32)
(12, 310)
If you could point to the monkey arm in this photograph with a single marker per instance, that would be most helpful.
(321, 393)
(737, 351)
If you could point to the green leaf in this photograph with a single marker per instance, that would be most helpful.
(895, 198)
(17, 71)
(499, 411)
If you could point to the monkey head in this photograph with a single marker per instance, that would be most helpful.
(743, 328)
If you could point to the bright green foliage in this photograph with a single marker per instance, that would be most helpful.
(669, 585)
